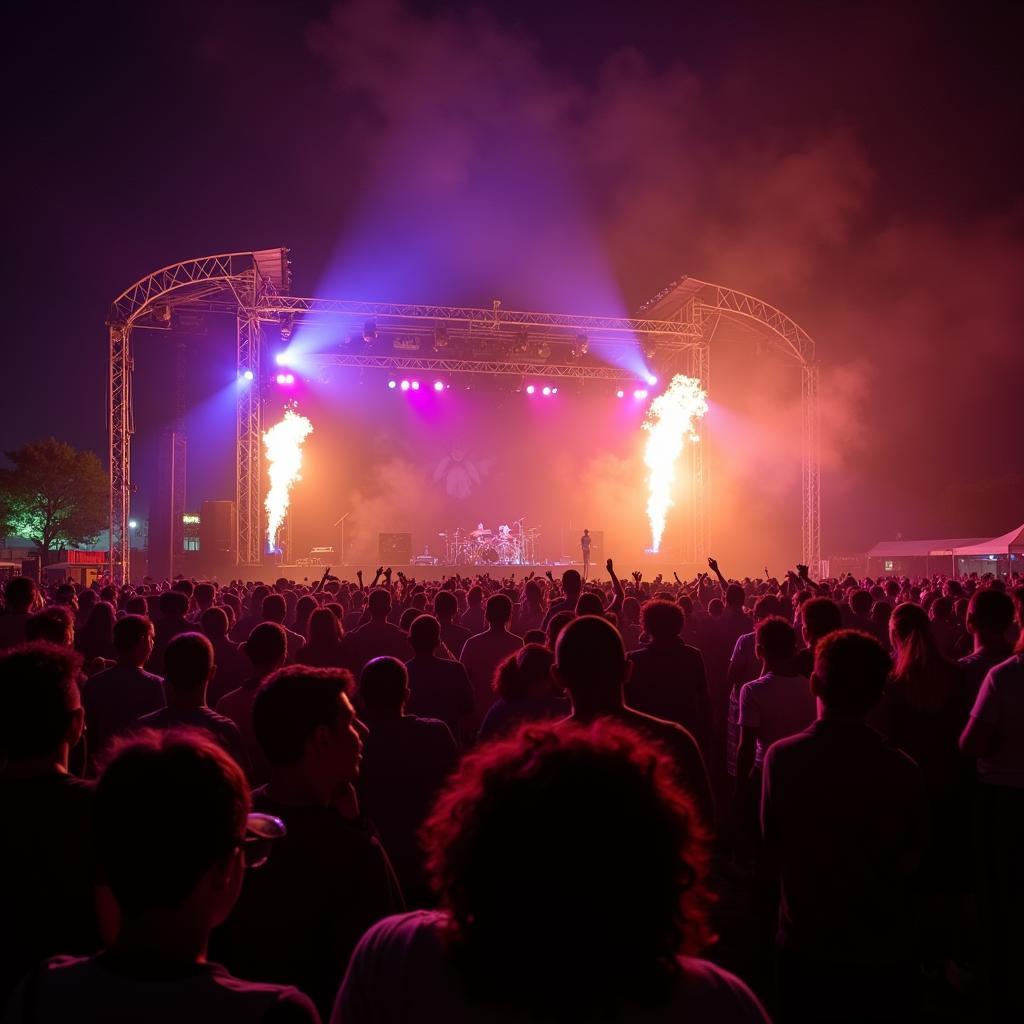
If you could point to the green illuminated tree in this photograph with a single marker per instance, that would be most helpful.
(55, 496)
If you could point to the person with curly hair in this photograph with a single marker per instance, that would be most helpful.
(570, 872)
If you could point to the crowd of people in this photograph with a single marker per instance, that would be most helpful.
(486, 799)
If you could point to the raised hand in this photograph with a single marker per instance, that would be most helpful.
(380, 570)
(713, 564)
(608, 565)
(549, 575)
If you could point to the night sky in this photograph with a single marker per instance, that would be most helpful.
(857, 165)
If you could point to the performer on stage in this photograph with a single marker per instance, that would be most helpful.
(585, 545)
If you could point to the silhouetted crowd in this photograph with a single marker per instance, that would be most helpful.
(491, 799)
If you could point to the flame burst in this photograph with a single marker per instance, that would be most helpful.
(283, 445)
(670, 420)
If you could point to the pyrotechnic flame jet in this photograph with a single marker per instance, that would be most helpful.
(670, 420)
(283, 445)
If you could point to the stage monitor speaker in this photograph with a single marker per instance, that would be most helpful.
(395, 548)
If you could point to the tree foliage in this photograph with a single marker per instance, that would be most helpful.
(55, 496)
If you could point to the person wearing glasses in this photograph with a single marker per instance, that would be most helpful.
(173, 835)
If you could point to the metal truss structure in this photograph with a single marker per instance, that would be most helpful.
(674, 331)
(705, 306)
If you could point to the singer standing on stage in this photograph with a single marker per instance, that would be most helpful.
(585, 545)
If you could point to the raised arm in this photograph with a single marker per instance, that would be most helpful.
(620, 593)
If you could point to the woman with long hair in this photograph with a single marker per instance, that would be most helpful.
(95, 638)
(923, 711)
(570, 872)
(526, 693)
(325, 647)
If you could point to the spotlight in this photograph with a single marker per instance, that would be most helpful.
(132, 524)
(652, 380)
(440, 337)
(544, 351)
(545, 391)
(415, 385)
(554, 391)
(392, 384)
(289, 378)
(247, 374)
(281, 359)
(640, 393)
(650, 349)
(439, 385)
(405, 385)
(582, 345)
(530, 389)
(620, 393)
(370, 332)
(287, 324)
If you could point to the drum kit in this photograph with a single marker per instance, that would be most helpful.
(511, 545)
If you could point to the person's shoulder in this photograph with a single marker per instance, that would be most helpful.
(420, 928)
(273, 1004)
(711, 993)
(1005, 671)
(153, 718)
(789, 747)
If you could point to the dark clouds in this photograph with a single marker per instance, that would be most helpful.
(856, 167)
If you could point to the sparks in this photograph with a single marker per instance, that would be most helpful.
(670, 419)
(283, 445)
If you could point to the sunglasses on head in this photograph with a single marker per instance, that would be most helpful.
(260, 832)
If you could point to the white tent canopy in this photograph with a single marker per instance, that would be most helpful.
(1011, 543)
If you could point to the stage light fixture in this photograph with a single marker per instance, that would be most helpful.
(392, 384)
(370, 332)
(405, 385)
(640, 393)
(439, 385)
(620, 393)
(650, 349)
(415, 385)
(554, 391)
(530, 389)
(651, 380)
(281, 359)
(440, 337)
(132, 524)
(544, 350)
(247, 375)
(545, 391)
(287, 325)
(582, 344)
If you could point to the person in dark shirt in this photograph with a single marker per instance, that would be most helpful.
(46, 862)
(453, 636)
(171, 818)
(189, 667)
(591, 664)
(438, 688)
(572, 585)
(844, 822)
(173, 605)
(989, 621)
(377, 638)
(21, 598)
(526, 693)
(668, 678)
(819, 616)
(232, 664)
(117, 697)
(265, 651)
(406, 760)
(329, 878)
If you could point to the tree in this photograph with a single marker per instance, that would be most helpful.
(55, 495)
